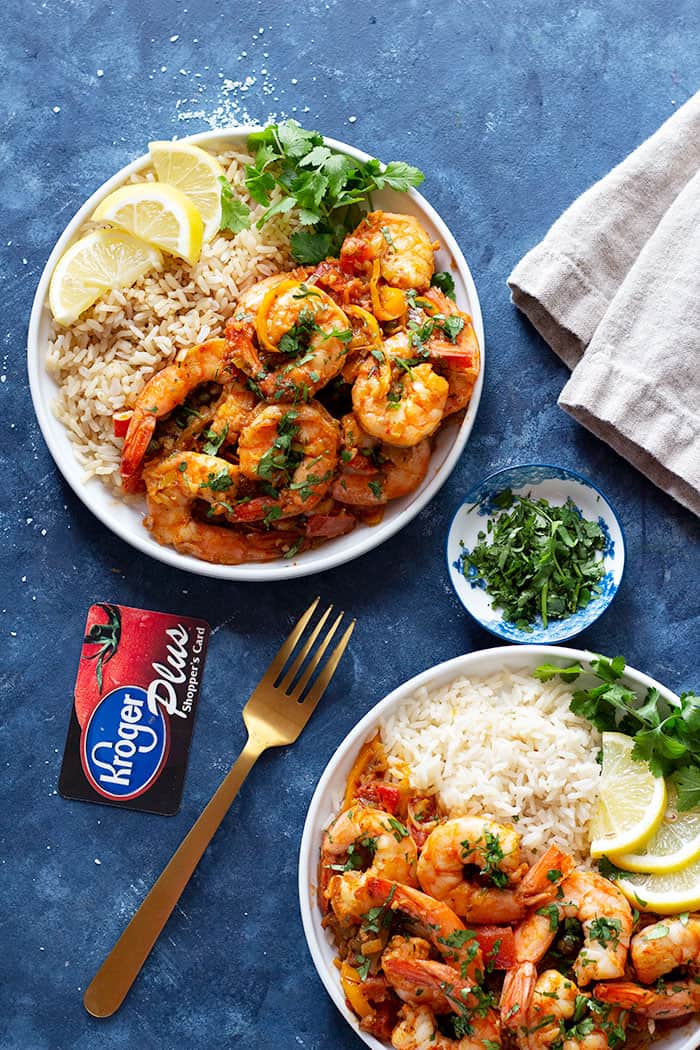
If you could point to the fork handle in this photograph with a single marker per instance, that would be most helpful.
(108, 988)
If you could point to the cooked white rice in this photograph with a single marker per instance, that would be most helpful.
(104, 360)
(506, 747)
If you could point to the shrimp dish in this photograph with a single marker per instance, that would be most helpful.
(451, 936)
(316, 407)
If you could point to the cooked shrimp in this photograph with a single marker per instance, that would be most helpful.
(232, 413)
(607, 924)
(399, 242)
(532, 940)
(391, 855)
(398, 398)
(553, 1003)
(173, 485)
(372, 473)
(495, 850)
(293, 449)
(418, 1030)
(458, 359)
(667, 944)
(405, 948)
(606, 917)
(206, 362)
(673, 999)
(249, 300)
(311, 332)
(435, 922)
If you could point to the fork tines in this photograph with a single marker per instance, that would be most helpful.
(294, 666)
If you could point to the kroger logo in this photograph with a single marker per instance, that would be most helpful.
(124, 744)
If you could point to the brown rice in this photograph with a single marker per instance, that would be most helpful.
(102, 362)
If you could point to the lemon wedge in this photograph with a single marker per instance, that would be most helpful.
(668, 894)
(99, 261)
(158, 213)
(632, 801)
(675, 844)
(195, 173)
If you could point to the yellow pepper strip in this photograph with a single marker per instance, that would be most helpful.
(272, 295)
(373, 947)
(264, 309)
(350, 980)
(370, 756)
(370, 323)
(387, 303)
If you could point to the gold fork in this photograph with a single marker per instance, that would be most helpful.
(275, 715)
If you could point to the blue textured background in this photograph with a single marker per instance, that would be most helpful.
(512, 109)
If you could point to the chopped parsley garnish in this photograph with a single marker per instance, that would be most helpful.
(552, 913)
(330, 190)
(376, 488)
(605, 931)
(537, 559)
(458, 938)
(218, 481)
(281, 458)
(445, 282)
(451, 325)
(362, 967)
(386, 234)
(666, 735)
(356, 859)
(400, 832)
(297, 340)
(214, 441)
(493, 855)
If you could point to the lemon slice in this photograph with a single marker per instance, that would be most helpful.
(632, 801)
(675, 844)
(160, 214)
(668, 894)
(195, 173)
(99, 261)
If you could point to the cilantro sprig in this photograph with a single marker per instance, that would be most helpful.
(539, 559)
(329, 189)
(666, 734)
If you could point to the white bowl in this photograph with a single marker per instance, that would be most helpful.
(126, 519)
(540, 481)
(329, 793)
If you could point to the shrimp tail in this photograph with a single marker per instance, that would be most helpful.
(626, 994)
(517, 992)
(542, 881)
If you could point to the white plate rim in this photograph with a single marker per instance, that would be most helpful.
(315, 560)
(514, 655)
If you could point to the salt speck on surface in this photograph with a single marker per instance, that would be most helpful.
(351, 120)
(57, 109)
(174, 38)
(97, 860)
(100, 72)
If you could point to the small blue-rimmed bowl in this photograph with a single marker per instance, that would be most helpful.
(556, 485)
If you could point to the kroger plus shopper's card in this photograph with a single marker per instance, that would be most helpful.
(133, 712)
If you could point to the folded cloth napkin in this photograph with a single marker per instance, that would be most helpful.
(614, 289)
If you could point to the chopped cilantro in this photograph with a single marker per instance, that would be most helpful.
(537, 559)
(445, 282)
(330, 190)
(214, 441)
(666, 735)
(235, 215)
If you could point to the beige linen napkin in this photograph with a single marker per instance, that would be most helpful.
(614, 289)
